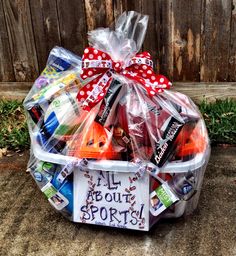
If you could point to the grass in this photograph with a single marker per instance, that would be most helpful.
(220, 118)
(13, 127)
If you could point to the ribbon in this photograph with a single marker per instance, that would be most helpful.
(100, 67)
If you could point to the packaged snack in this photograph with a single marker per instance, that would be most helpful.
(110, 143)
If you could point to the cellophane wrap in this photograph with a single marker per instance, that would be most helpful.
(126, 158)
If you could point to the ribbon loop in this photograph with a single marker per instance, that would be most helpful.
(100, 66)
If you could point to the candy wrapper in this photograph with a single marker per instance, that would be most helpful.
(110, 143)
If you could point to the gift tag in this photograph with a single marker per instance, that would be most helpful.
(55, 198)
(161, 199)
(66, 171)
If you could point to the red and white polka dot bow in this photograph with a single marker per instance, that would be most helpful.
(99, 66)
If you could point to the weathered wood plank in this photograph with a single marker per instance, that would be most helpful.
(197, 91)
(207, 91)
(14, 90)
(99, 13)
(45, 27)
(187, 30)
(72, 23)
(11, 86)
(215, 40)
(166, 38)
(109, 12)
(232, 56)
(181, 31)
(21, 39)
(186, 49)
(152, 39)
(6, 67)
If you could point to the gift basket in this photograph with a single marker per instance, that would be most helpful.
(110, 143)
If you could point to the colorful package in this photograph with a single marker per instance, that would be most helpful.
(110, 143)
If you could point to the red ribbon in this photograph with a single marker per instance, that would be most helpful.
(100, 66)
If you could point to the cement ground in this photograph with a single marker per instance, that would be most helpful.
(29, 226)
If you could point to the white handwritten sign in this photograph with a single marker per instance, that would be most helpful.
(111, 199)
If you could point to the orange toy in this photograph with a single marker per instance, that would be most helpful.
(93, 143)
(189, 142)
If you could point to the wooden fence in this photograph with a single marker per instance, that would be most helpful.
(190, 40)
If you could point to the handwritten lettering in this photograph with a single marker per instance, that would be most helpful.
(111, 214)
(111, 201)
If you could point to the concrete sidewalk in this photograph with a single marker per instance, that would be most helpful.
(29, 226)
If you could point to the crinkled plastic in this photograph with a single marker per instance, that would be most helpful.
(131, 159)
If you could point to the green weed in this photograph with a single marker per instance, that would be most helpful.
(220, 118)
(13, 128)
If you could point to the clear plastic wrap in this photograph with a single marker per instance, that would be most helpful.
(110, 144)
